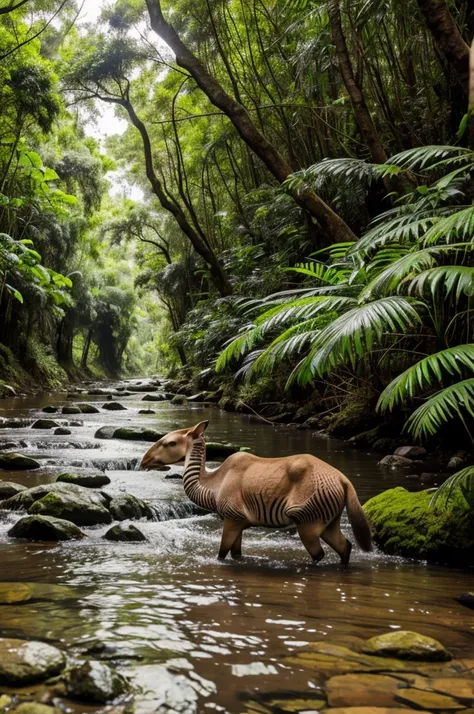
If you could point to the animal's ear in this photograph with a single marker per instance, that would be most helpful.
(196, 431)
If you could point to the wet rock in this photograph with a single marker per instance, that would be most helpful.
(62, 431)
(45, 528)
(403, 644)
(105, 432)
(146, 411)
(88, 479)
(25, 499)
(34, 708)
(179, 399)
(126, 506)
(50, 409)
(9, 489)
(100, 392)
(24, 663)
(88, 408)
(114, 406)
(366, 690)
(395, 462)
(411, 452)
(458, 461)
(9, 445)
(45, 424)
(7, 391)
(12, 424)
(72, 409)
(142, 387)
(79, 510)
(466, 599)
(428, 479)
(137, 434)
(95, 682)
(405, 523)
(17, 462)
(385, 445)
(76, 423)
(160, 397)
(124, 532)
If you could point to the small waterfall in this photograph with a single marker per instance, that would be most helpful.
(175, 510)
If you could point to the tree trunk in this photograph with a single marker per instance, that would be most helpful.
(335, 227)
(85, 349)
(359, 105)
(447, 36)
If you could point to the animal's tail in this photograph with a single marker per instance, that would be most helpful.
(358, 521)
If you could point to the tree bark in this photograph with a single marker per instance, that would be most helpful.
(335, 227)
(447, 36)
(359, 105)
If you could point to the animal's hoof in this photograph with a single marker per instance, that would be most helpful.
(236, 556)
(347, 554)
(318, 558)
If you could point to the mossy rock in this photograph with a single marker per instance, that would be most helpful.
(9, 489)
(95, 682)
(126, 533)
(354, 419)
(45, 528)
(406, 645)
(87, 479)
(45, 424)
(23, 663)
(126, 506)
(88, 408)
(70, 508)
(404, 523)
(134, 434)
(18, 462)
(71, 410)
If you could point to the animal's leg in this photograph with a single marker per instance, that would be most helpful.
(231, 533)
(309, 534)
(333, 536)
(236, 550)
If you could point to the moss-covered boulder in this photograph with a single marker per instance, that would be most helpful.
(79, 510)
(124, 532)
(45, 528)
(26, 498)
(137, 434)
(89, 479)
(9, 489)
(95, 682)
(17, 462)
(126, 506)
(24, 663)
(71, 409)
(404, 523)
(88, 408)
(45, 424)
(403, 644)
(113, 406)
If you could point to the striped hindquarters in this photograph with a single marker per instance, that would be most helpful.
(325, 504)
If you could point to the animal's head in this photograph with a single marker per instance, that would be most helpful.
(172, 447)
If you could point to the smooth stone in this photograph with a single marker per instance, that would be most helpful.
(154, 397)
(99, 392)
(466, 599)
(124, 532)
(411, 452)
(9, 445)
(45, 424)
(50, 409)
(404, 644)
(433, 701)
(70, 508)
(9, 489)
(45, 528)
(89, 480)
(362, 690)
(105, 432)
(137, 434)
(12, 424)
(62, 431)
(70, 410)
(76, 423)
(24, 663)
(95, 682)
(114, 406)
(34, 708)
(17, 462)
(395, 462)
(146, 411)
(126, 506)
(88, 408)
(14, 592)
(142, 387)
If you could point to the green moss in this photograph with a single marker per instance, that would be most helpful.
(404, 523)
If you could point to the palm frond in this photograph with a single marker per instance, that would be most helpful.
(425, 156)
(355, 333)
(457, 226)
(450, 278)
(425, 373)
(464, 480)
(454, 401)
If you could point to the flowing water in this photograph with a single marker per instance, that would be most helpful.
(196, 634)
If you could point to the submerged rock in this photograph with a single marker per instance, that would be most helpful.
(34, 708)
(87, 479)
(403, 644)
(50, 409)
(9, 489)
(79, 510)
(142, 387)
(17, 462)
(12, 424)
(88, 408)
(24, 663)
(466, 599)
(62, 431)
(396, 462)
(158, 397)
(146, 411)
(45, 424)
(124, 532)
(405, 523)
(105, 432)
(114, 406)
(137, 434)
(71, 409)
(95, 682)
(126, 506)
(411, 452)
(45, 528)
(179, 399)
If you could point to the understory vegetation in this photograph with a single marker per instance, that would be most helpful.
(279, 211)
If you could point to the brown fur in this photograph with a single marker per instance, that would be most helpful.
(247, 491)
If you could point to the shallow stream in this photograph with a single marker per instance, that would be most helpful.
(196, 634)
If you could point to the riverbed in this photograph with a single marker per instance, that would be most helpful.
(197, 634)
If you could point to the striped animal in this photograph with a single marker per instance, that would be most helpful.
(247, 490)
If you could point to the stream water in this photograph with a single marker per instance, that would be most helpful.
(197, 634)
